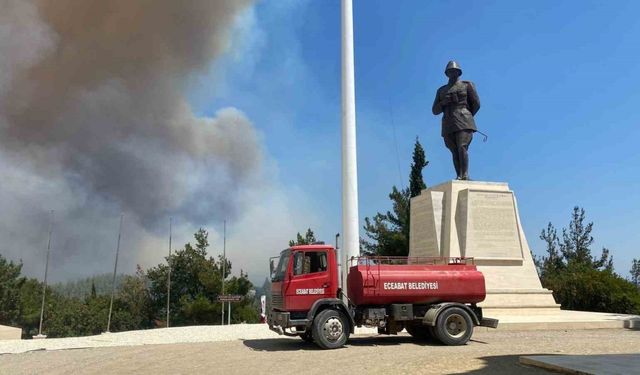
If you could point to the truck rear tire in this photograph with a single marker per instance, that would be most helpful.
(330, 329)
(454, 326)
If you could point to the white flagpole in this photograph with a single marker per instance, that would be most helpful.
(350, 221)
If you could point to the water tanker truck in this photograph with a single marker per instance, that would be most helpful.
(434, 297)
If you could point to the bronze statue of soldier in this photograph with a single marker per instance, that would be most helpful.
(459, 102)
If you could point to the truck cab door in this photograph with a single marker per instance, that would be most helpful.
(311, 279)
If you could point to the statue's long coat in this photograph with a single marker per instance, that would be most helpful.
(459, 102)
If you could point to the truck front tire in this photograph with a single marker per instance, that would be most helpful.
(330, 329)
(454, 326)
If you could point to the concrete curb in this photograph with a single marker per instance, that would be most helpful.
(532, 320)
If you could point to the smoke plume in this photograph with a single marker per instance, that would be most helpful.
(93, 121)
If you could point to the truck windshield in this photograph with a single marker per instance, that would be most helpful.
(281, 268)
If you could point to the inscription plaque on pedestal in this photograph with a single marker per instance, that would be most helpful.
(487, 225)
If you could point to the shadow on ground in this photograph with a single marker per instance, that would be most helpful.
(506, 364)
(292, 344)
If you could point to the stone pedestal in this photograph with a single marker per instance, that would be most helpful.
(480, 220)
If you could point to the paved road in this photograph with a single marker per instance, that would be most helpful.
(489, 353)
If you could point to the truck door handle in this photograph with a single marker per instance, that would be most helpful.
(325, 285)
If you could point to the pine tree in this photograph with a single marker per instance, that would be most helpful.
(416, 182)
(196, 282)
(577, 239)
(635, 272)
(388, 233)
(606, 260)
(552, 262)
(574, 247)
(308, 238)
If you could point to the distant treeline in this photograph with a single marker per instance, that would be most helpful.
(81, 307)
(82, 288)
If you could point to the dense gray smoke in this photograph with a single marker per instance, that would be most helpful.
(93, 119)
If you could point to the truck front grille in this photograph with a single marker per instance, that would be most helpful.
(276, 301)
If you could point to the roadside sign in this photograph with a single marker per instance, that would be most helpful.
(229, 298)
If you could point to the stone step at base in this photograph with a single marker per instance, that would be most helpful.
(526, 319)
(524, 298)
(520, 311)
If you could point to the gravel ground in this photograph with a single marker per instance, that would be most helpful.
(488, 353)
(175, 335)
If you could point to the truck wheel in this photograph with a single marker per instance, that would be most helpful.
(307, 336)
(418, 331)
(330, 329)
(454, 326)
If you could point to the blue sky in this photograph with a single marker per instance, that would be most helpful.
(558, 83)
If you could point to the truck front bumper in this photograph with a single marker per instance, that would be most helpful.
(489, 322)
(279, 321)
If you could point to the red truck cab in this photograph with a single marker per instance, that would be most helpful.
(304, 274)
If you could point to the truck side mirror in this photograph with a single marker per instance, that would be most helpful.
(271, 266)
